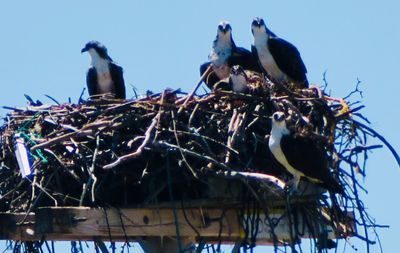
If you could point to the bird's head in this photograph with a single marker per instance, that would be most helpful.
(279, 122)
(258, 26)
(278, 117)
(238, 79)
(224, 27)
(237, 70)
(260, 30)
(96, 48)
(224, 31)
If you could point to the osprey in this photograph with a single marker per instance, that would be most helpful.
(238, 78)
(104, 76)
(278, 58)
(225, 54)
(237, 81)
(300, 156)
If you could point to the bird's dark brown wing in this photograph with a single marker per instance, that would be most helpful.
(117, 74)
(211, 79)
(91, 81)
(288, 59)
(244, 58)
(310, 159)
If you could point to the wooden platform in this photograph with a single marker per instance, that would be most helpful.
(83, 223)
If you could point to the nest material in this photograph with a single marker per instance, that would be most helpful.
(112, 152)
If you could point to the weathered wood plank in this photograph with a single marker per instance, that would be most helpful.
(19, 226)
(88, 222)
(213, 224)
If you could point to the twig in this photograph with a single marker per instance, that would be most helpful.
(252, 176)
(80, 100)
(380, 137)
(359, 149)
(101, 245)
(91, 170)
(355, 91)
(324, 79)
(179, 147)
(53, 99)
(62, 164)
(148, 138)
(192, 115)
(87, 129)
(208, 70)
(171, 147)
(231, 132)
(196, 134)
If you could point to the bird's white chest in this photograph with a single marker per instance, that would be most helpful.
(268, 62)
(104, 80)
(275, 147)
(219, 56)
(220, 53)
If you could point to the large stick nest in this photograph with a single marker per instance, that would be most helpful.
(110, 152)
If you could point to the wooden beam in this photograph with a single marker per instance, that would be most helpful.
(103, 223)
(134, 224)
(20, 226)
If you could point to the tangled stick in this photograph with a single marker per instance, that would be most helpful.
(150, 132)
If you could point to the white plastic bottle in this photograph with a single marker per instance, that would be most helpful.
(22, 155)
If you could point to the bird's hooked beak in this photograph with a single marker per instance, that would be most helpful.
(85, 49)
(224, 27)
(257, 22)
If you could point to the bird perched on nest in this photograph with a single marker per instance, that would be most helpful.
(278, 58)
(225, 54)
(237, 80)
(104, 75)
(242, 81)
(300, 156)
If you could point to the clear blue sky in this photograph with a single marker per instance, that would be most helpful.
(161, 44)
